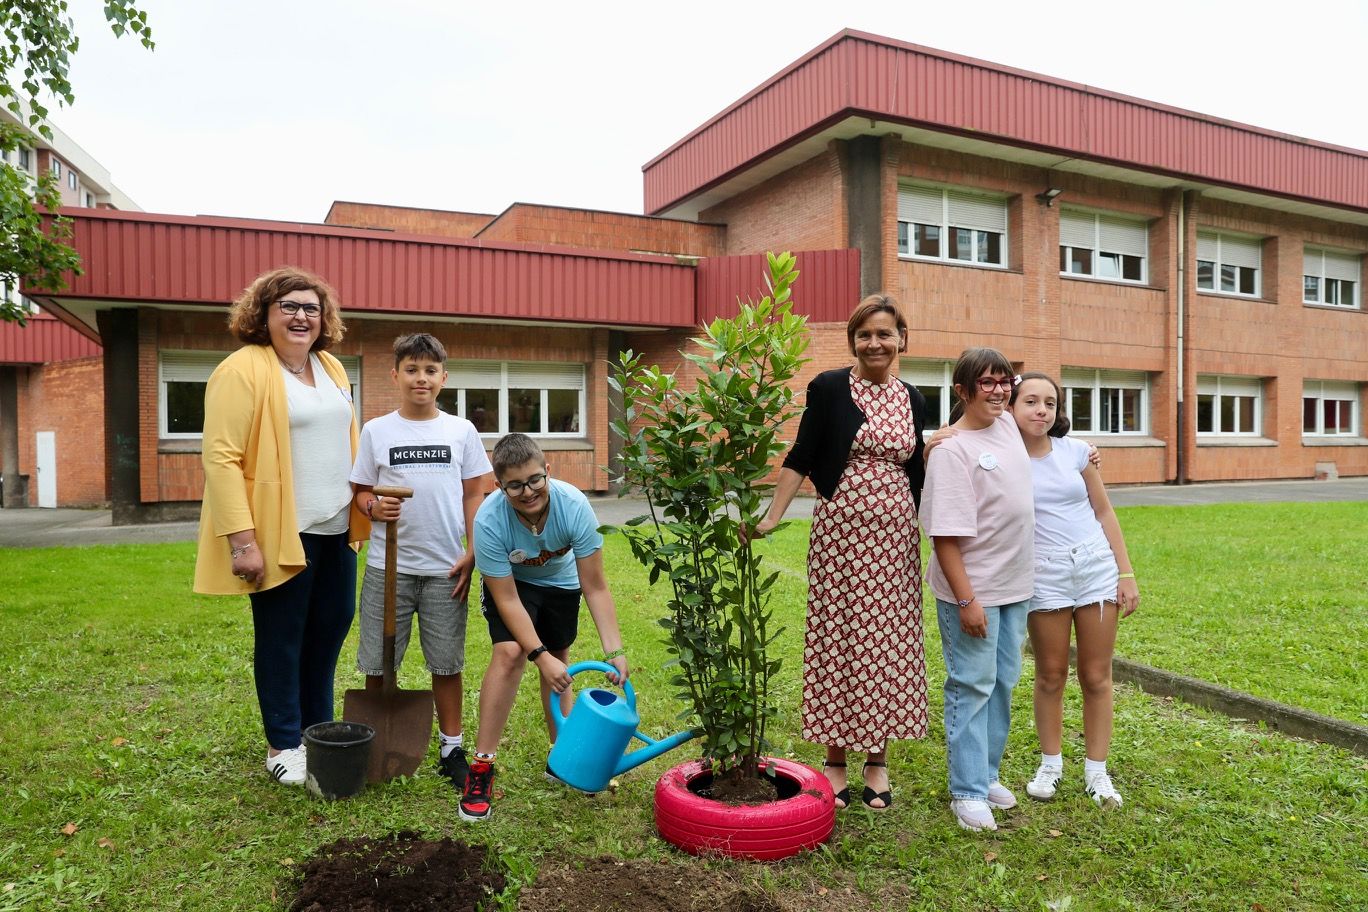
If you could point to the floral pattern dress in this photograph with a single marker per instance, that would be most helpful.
(864, 663)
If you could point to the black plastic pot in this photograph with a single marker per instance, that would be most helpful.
(337, 758)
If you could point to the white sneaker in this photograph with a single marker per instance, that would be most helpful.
(1000, 797)
(288, 766)
(1101, 791)
(972, 814)
(1045, 783)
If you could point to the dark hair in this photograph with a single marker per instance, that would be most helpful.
(876, 303)
(247, 316)
(419, 347)
(1061, 423)
(972, 364)
(514, 450)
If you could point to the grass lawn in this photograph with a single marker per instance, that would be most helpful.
(127, 710)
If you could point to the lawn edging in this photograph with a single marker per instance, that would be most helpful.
(1289, 720)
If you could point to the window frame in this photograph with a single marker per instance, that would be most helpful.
(454, 366)
(1222, 386)
(1100, 383)
(55, 166)
(907, 227)
(25, 159)
(195, 366)
(73, 180)
(1332, 391)
(921, 372)
(1098, 250)
(1220, 263)
(1327, 259)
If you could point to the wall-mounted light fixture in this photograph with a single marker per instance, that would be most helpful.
(1048, 196)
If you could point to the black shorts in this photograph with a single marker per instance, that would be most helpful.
(554, 613)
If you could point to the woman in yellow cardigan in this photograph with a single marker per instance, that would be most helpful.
(278, 518)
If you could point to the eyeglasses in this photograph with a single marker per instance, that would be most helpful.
(988, 384)
(290, 308)
(514, 488)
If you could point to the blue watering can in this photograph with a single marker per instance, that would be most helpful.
(591, 742)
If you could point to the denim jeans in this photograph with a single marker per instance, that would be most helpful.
(979, 676)
(299, 627)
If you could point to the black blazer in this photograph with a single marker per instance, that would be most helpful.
(828, 428)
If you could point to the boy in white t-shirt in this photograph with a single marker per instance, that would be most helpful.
(442, 459)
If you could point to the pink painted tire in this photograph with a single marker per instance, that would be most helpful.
(764, 832)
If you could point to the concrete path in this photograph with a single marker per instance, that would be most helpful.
(36, 528)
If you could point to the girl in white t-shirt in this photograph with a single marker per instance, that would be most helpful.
(1083, 581)
(977, 508)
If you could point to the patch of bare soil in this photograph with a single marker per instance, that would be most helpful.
(399, 873)
(640, 885)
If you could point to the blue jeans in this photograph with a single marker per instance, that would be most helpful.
(300, 626)
(979, 676)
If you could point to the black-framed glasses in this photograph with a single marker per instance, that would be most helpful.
(514, 488)
(290, 308)
(988, 384)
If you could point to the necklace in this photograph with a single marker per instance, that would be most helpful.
(536, 526)
(297, 371)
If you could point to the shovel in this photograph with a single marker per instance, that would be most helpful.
(402, 719)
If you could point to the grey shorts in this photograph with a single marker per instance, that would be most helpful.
(441, 622)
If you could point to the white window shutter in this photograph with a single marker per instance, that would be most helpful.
(1206, 246)
(1239, 252)
(545, 376)
(1343, 266)
(920, 204)
(966, 210)
(474, 374)
(1074, 377)
(1122, 236)
(1208, 385)
(1124, 379)
(1077, 229)
(352, 365)
(923, 373)
(189, 366)
(1312, 262)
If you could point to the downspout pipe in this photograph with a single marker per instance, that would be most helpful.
(1180, 436)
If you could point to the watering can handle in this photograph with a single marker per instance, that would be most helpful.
(558, 717)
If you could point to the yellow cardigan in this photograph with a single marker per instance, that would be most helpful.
(247, 471)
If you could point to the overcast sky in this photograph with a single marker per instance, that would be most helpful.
(275, 108)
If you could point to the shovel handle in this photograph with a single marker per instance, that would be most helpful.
(389, 681)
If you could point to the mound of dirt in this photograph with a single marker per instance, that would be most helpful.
(610, 885)
(399, 873)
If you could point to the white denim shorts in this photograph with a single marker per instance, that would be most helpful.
(1085, 574)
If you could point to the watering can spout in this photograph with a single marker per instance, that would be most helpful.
(652, 750)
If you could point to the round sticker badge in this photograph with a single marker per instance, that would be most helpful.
(988, 461)
(517, 556)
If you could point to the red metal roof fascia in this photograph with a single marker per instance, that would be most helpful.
(44, 339)
(827, 289)
(888, 80)
(178, 259)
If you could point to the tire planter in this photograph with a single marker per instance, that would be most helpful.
(801, 819)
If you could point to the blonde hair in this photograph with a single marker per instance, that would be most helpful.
(247, 316)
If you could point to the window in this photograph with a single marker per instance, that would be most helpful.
(90, 200)
(500, 397)
(1106, 402)
(932, 380)
(71, 179)
(185, 374)
(56, 167)
(1102, 246)
(1330, 409)
(1229, 405)
(1330, 278)
(952, 225)
(1227, 264)
(25, 158)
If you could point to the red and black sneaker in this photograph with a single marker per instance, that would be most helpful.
(478, 799)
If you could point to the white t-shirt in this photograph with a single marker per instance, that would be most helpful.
(1064, 516)
(978, 488)
(320, 450)
(432, 457)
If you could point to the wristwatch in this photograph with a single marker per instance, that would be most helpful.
(532, 656)
(964, 603)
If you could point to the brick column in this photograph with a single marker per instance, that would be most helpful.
(864, 209)
(119, 336)
(16, 488)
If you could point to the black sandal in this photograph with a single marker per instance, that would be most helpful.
(870, 795)
(843, 796)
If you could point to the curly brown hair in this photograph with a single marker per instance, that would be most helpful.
(247, 316)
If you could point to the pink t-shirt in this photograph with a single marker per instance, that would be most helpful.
(978, 488)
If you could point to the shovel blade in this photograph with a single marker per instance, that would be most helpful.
(402, 720)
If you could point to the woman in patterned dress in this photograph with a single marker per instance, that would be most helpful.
(864, 670)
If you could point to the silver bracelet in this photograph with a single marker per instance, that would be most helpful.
(238, 552)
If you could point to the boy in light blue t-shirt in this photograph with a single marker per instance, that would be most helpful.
(538, 549)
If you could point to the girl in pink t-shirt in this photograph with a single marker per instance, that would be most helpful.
(978, 509)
